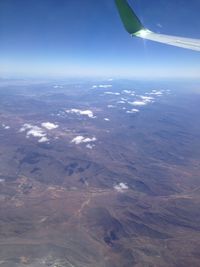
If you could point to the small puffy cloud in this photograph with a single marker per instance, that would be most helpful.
(25, 127)
(90, 146)
(32, 130)
(44, 139)
(134, 110)
(127, 91)
(49, 125)
(138, 103)
(124, 99)
(5, 127)
(106, 119)
(111, 93)
(159, 25)
(121, 102)
(104, 86)
(156, 93)
(36, 132)
(88, 113)
(81, 139)
(88, 140)
(77, 140)
(110, 106)
(58, 86)
(147, 98)
(121, 187)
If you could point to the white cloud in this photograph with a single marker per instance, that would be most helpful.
(36, 132)
(88, 140)
(121, 102)
(90, 146)
(78, 140)
(5, 127)
(25, 127)
(147, 98)
(111, 93)
(44, 139)
(49, 125)
(138, 103)
(81, 139)
(32, 130)
(159, 25)
(58, 86)
(121, 187)
(156, 93)
(102, 86)
(110, 106)
(88, 113)
(134, 110)
(127, 91)
(124, 99)
(105, 85)
(106, 119)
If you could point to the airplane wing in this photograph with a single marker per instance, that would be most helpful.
(135, 28)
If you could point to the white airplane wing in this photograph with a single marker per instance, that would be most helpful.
(135, 28)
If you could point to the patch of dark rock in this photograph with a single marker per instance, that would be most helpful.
(32, 158)
(141, 229)
(100, 217)
(142, 187)
(83, 180)
(35, 170)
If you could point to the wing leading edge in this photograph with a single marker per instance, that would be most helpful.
(133, 25)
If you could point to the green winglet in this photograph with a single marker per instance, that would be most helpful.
(128, 17)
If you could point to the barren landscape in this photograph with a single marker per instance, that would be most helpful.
(99, 174)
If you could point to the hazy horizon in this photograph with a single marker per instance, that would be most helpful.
(67, 38)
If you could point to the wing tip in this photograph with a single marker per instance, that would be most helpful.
(130, 20)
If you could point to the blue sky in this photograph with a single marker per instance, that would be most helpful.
(60, 38)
